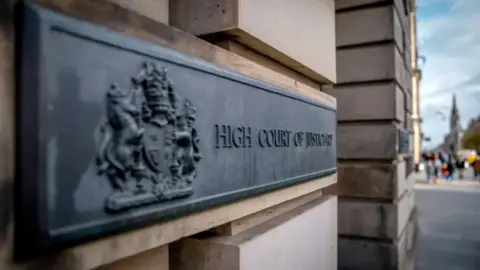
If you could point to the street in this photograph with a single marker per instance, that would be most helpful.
(448, 236)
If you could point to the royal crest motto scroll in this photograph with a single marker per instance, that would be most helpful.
(149, 147)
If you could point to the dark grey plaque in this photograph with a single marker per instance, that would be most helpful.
(117, 133)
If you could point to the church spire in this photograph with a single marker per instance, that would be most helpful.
(454, 117)
(454, 127)
(454, 103)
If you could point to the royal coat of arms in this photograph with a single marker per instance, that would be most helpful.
(149, 148)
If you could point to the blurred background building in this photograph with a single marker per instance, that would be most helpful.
(416, 77)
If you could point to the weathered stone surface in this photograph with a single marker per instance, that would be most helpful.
(400, 103)
(367, 219)
(410, 242)
(376, 200)
(407, 54)
(367, 141)
(379, 181)
(363, 26)
(401, 9)
(373, 219)
(154, 9)
(357, 254)
(355, 101)
(398, 32)
(408, 101)
(242, 50)
(409, 123)
(369, 25)
(155, 259)
(373, 63)
(402, 75)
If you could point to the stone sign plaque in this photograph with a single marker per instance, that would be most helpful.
(116, 133)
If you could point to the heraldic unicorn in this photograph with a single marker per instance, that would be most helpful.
(148, 148)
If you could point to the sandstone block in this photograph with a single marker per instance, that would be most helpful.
(250, 221)
(408, 101)
(303, 238)
(154, 9)
(401, 36)
(402, 75)
(402, 8)
(379, 181)
(374, 24)
(378, 62)
(373, 219)
(272, 27)
(155, 259)
(400, 102)
(409, 123)
(367, 141)
(378, 101)
(360, 254)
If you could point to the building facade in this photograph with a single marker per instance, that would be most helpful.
(88, 88)
(416, 77)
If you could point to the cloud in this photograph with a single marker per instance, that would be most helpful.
(449, 38)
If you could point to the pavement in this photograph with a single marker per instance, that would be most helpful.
(448, 236)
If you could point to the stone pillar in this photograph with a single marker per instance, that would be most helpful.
(373, 92)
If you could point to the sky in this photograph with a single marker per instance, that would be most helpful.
(449, 38)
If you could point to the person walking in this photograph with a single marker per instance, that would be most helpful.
(450, 168)
(429, 166)
(476, 168)
(474, 162)
(460, 166)
(437, 165)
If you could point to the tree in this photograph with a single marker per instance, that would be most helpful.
(471, 138)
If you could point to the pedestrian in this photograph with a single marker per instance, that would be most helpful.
(429, 166)
(476, 168)
(460, 166)
(450, 169)
(437, 165)
(444, 171)
(473, 161)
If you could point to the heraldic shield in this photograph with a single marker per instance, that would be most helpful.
(149, 147)
(154, 148)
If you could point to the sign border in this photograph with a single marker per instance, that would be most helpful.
(32, 235)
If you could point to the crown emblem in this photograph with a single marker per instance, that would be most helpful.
(156, 86)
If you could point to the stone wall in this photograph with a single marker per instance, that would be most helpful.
(373, 92)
